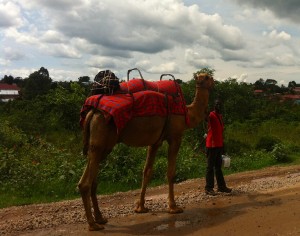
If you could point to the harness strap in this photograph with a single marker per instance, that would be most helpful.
(163, 131)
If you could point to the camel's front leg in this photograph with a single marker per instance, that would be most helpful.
(172, 155)
(147, 174)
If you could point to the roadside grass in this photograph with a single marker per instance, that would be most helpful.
(187, 168)
(41, 172)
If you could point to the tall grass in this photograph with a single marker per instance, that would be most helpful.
(249, 132)
(44, 169)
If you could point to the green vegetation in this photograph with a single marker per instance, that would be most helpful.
(40, 140)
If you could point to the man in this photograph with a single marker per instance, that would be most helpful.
(214, 146)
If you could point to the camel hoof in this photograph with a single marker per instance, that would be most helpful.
(95, 227)
(141, 210)
(175, 210)
(101, 221)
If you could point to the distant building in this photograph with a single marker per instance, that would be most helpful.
(9, 92)
(259, 92)
(296, 90)
(291, 97)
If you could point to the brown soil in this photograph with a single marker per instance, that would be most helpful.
(263, 202)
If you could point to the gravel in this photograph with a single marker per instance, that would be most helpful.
(15, 220)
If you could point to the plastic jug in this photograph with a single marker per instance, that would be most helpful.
(225, 161)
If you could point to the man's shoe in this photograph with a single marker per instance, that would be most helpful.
(225, 190)
(210, 192)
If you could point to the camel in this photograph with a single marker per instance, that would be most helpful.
(100, 137)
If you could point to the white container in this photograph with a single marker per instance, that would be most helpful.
(225, 161)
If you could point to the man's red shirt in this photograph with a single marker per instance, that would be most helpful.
(215, 130)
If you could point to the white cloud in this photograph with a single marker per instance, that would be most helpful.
(102, 62)
(243, 78)
(159, 36)
(169, 67)
(10, 15)
(196, 59)
(3, 62)
(13, 54)
(274, 35)
(22, 37)
(52, 36)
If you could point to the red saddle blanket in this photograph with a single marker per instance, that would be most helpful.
(169, 87)
(123, 106)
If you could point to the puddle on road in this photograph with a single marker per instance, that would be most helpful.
(172, 225)
(194, 217)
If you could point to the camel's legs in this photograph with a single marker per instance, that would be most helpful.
(85, 187)
(147, 174)
(174, 146)
(97, 214)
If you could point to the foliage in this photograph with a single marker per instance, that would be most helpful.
(125, 165)
(39, 168)
(280, 153)
(10, 136)
(38, 83)
(238, 99)
(267, 143)
(251, 160)
(236, 146)
(40, 142)
(206, 70)
(65, 105)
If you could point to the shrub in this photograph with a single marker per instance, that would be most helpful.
(280, 153)
(267, 143)
(251, 160)
(233, 146)
(123, 165)
(10, 136)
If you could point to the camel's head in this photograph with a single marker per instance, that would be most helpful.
(204, 80)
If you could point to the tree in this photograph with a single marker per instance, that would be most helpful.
(38, 83)
(259, 84)
(207, 70)
(7, 79)
(292, 84)
(64, 105)
(84, 79)
(272, 86)
(270, 82)
(238, 99)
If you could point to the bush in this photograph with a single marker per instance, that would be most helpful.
(10, 136)
(123, 165)
(233, 146)
(267, 143)
(251, 160)
(280, 153)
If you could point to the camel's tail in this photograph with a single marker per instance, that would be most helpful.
(86, 132)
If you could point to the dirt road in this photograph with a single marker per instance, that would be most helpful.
(264, 202)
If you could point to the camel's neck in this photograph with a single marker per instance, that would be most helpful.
(197, 111)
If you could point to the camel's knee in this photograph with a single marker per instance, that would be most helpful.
(148, 170)
(84, 188)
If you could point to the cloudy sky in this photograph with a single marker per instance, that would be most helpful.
(241, 39)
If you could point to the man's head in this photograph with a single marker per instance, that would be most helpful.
(218, 106)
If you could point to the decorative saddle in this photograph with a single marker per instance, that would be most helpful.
(135, 98)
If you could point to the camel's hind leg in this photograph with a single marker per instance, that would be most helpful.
(97, 214)
(172, 155)
(87, 187)
(147, 174)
